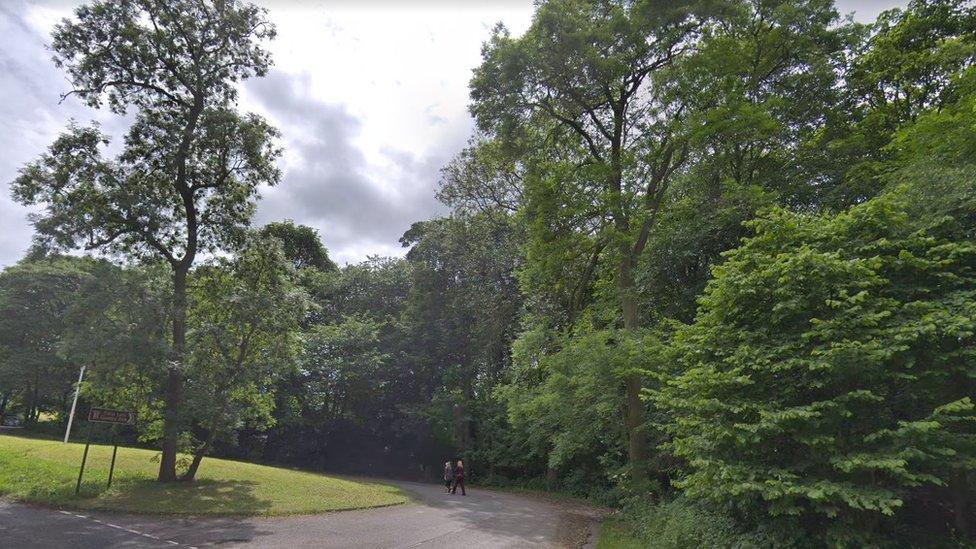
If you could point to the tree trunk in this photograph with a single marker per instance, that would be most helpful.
(636, 439)
(959, 486)
(3, 406)
(204, 449)
(31, 395)
(174, 381)
(191, 473)
(174, 378)
(462, 428)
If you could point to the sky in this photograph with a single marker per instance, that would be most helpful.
(370, 96)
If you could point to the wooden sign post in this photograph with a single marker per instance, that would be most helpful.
(102, 415)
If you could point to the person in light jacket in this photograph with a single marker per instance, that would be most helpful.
(448, 476)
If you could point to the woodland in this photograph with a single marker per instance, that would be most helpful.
(712, 263)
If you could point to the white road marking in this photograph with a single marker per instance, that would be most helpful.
(117, 527)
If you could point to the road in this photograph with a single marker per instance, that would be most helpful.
(482, 519)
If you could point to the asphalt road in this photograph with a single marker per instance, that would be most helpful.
(482, 519)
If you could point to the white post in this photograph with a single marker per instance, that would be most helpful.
(71, 416)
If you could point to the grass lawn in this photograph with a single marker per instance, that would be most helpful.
(45, 471)
(616, 534)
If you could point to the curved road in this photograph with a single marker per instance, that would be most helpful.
(482, 519)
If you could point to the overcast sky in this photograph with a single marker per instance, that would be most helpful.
(370, 96)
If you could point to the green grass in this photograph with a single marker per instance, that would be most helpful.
(45, 471)
(616, 534)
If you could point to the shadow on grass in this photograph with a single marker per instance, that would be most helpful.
(202, 497)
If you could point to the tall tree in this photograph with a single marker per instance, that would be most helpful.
(245, 314)
(485, 177)
(118, 327)
(760, 86)
(35, 300)
(186, 179)
(584, 72)
(462, 315)
(339, 369)
(347, 392)
(303, 247)
(907, 63)
(619, 99)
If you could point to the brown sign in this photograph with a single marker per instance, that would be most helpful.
(101, 415)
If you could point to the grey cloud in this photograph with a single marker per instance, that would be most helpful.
(22, 114)
(30, 116)
(357, 208)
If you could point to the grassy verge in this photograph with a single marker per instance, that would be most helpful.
(553, 496)
(616, 533)
(45, 471)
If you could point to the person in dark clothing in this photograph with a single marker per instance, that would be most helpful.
(448, 476)
(459, 478)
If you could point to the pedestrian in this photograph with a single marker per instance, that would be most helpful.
(448, 476)
(459, 478)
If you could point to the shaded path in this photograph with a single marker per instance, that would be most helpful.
(483, 519)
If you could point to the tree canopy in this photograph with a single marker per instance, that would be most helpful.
(709, 262)
(187, 177)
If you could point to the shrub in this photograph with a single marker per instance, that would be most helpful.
(683, 524)
(827, 380)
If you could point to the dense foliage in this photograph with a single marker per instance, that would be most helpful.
(829, 373)
(713, 262)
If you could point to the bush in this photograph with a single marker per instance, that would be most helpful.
(683, 524)
(827, 381)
